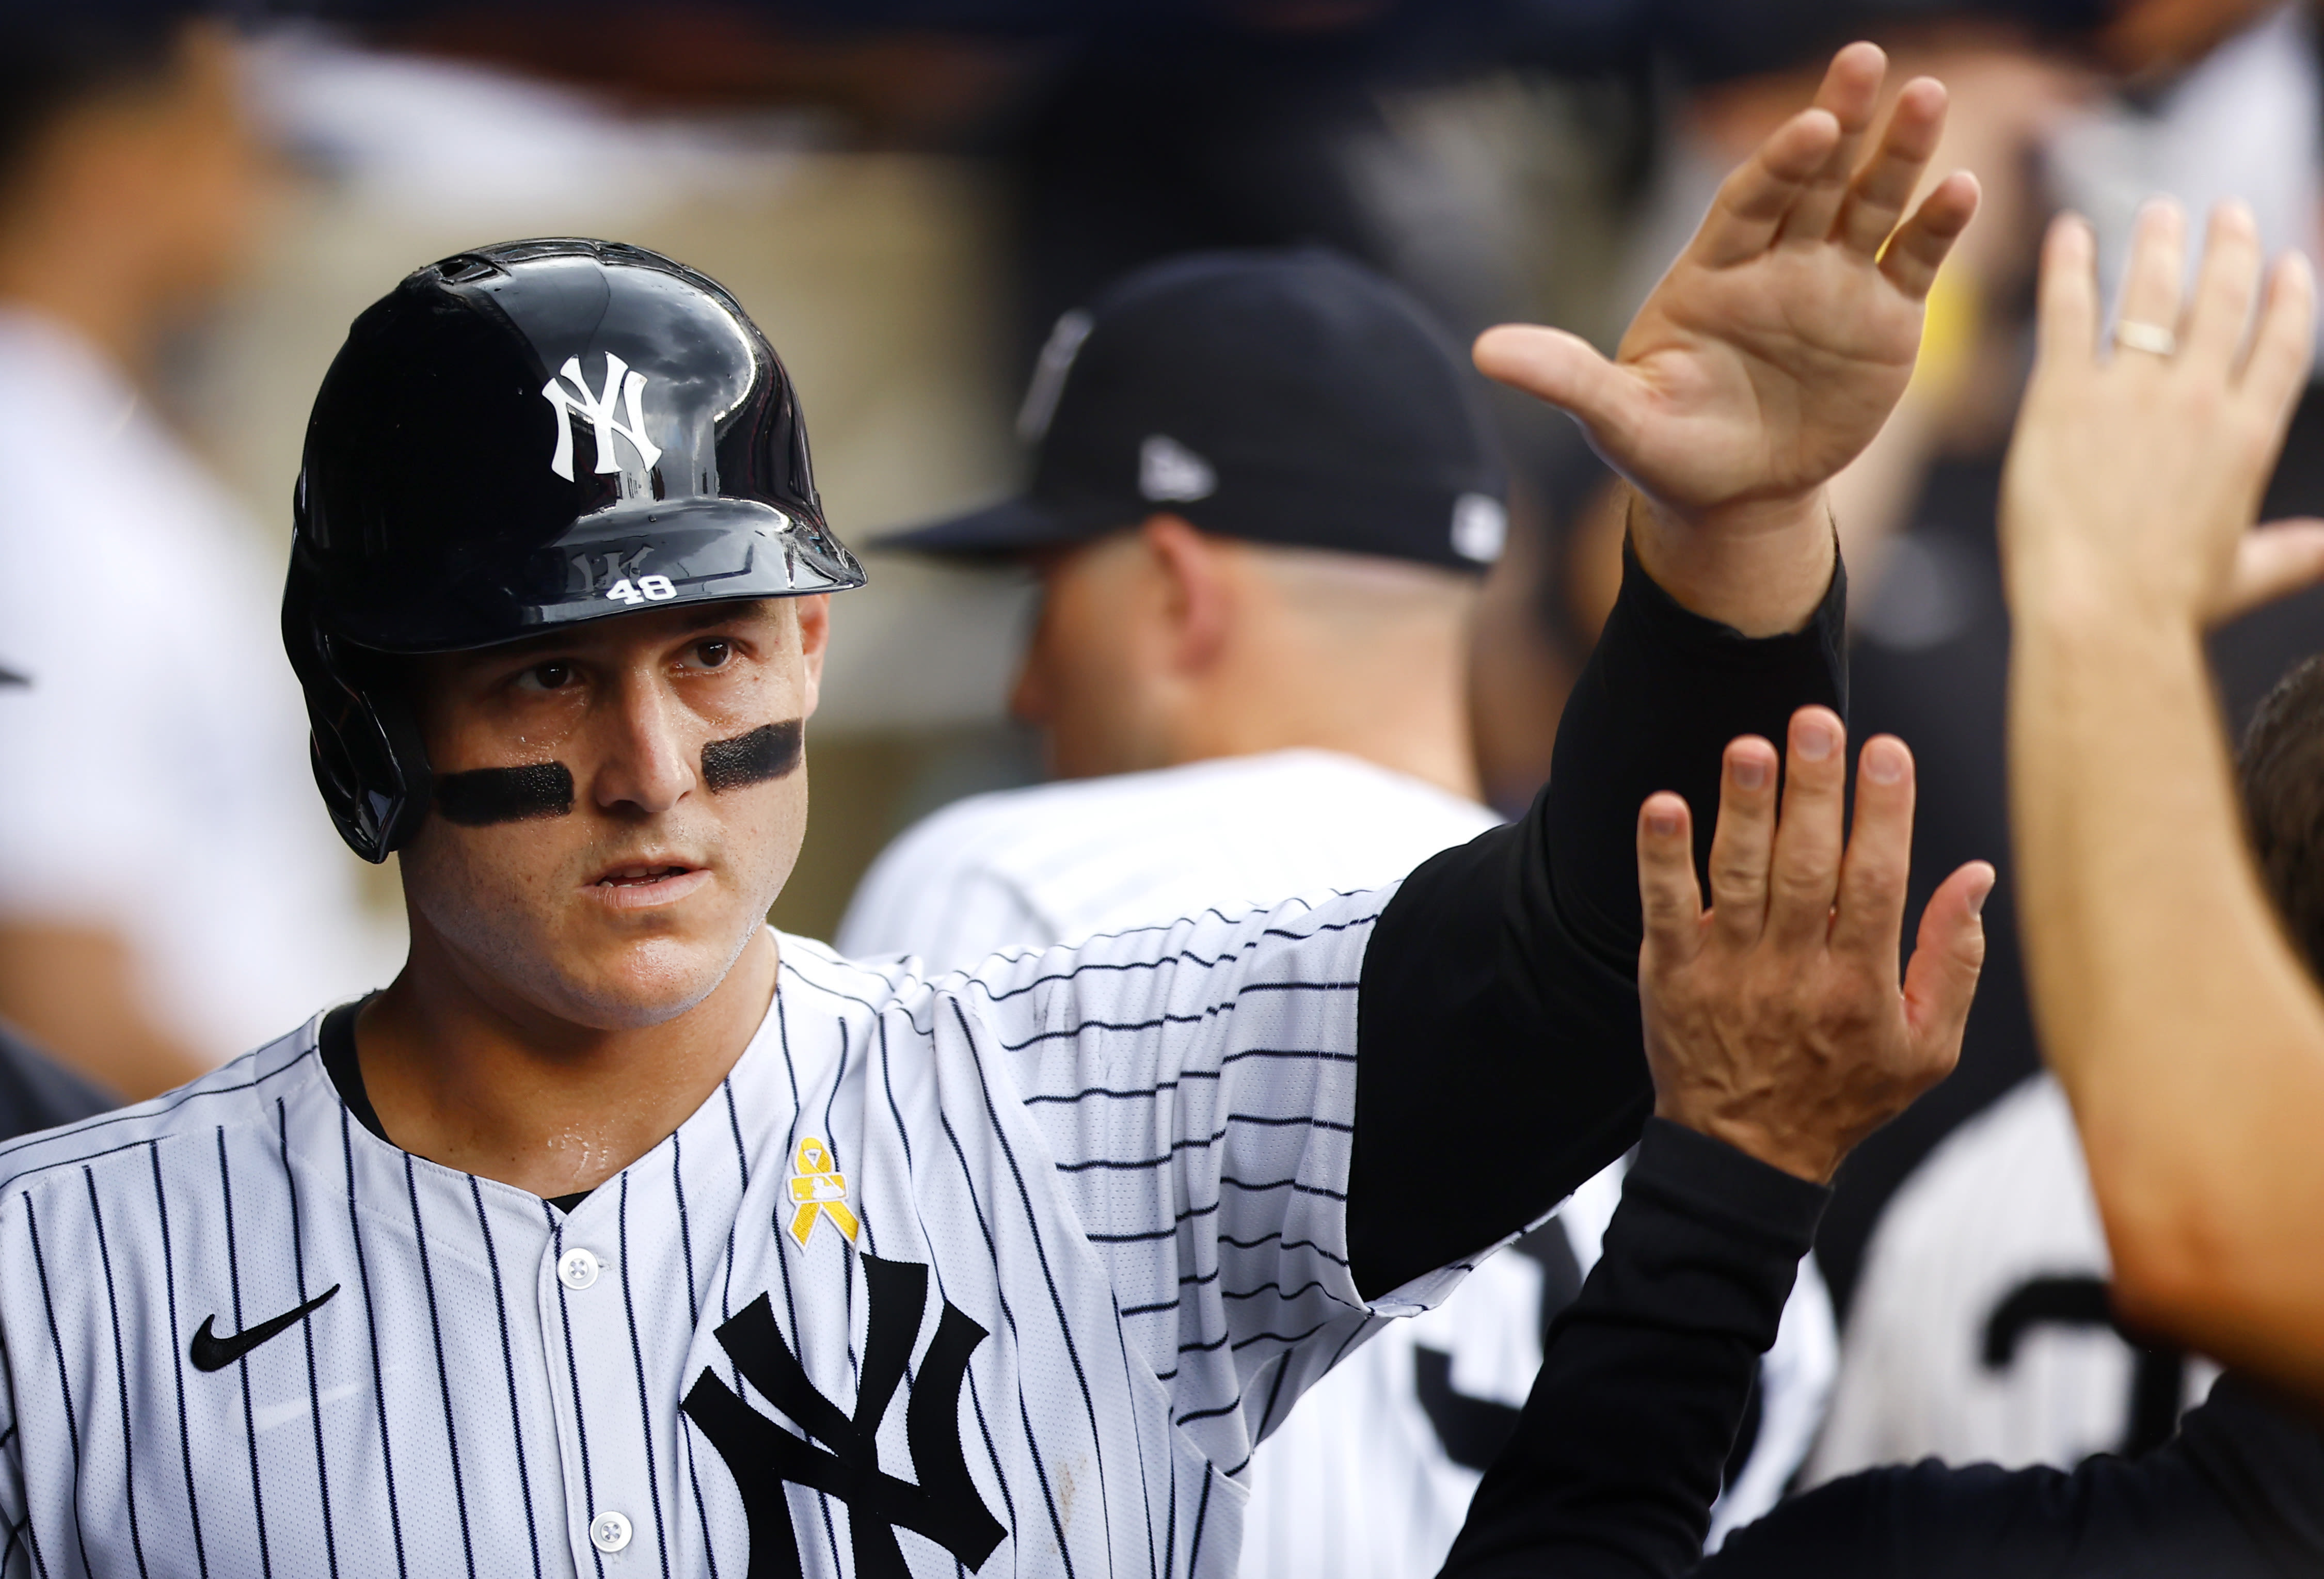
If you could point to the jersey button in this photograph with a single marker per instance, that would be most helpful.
(609, 1532)
(577, 1269)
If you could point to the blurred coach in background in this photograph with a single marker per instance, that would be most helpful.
(156, 844)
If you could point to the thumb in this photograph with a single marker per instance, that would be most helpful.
(1941, 978)
(1568, 372)
(2274, 560)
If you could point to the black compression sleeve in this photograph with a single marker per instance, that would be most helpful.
(2239, 1494)
(1498, 1020)
(1618, 1455)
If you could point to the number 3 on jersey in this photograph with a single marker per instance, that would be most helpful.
(645, 589)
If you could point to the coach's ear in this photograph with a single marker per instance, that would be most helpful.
(1197, 594)
(814, 636)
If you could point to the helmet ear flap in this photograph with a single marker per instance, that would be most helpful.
(364, 743)
(370, 767)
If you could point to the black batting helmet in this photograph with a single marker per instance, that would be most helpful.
(520, 437)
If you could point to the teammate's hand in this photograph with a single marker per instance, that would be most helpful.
(1781, 338)
(2135, 476)
(1776, 1020)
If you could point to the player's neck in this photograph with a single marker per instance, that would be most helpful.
(473, 1078)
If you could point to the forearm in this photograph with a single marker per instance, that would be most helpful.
(1620, 1452)
(2182, 1025)
(1499, 1007)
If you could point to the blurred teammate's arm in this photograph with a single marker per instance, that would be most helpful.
(74, 989)
(2185, 1029)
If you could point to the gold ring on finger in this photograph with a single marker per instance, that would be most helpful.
(2152, 338)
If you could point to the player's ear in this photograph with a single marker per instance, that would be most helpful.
(814, 617)
(1197, 599)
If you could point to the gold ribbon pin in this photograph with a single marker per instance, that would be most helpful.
(817, 1188)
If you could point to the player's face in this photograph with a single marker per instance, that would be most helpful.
(1091, 673)
(620, 895)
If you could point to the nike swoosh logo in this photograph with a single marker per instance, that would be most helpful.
(209, 1352)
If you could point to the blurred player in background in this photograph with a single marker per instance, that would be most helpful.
(1264, 496)
(167, 896)
(35, 1093)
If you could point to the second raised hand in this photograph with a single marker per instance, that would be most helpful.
(1780, 340)
(1775, 1018)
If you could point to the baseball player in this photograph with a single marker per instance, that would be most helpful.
(620, 1235)
(1274, 601)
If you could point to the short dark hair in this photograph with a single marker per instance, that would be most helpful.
(2282, 773)
(52, 60)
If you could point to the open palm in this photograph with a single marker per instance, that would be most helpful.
(1780, 340)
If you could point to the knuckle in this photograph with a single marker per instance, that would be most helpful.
(1804, 881)
(1875, 880)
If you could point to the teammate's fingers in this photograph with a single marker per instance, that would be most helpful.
(1869, 919)
(2273, 561)
(1877, 197)
(2151, 286)
(2284, 345)
(1919, 249)
(1757, 193)
(1742, 840)
(1804, 875)
(1668, 896)
(1851, 91)
(2224, 289)
(1569, 372)
(2068, 309)
(1940, 979)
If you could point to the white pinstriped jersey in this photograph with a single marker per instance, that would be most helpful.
(1371, 1477)
(1097, 1201)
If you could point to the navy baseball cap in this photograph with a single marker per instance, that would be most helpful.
(1281, 397)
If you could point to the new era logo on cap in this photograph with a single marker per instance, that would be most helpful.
(1481, 525)
(1168, 469)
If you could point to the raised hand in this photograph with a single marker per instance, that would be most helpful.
(1776, 345)
(1775, 1019)
(2135, 472)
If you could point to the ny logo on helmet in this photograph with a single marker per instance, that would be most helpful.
(598, 410)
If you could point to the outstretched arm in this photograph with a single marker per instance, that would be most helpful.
(1498, 1008)
(2185, 1032)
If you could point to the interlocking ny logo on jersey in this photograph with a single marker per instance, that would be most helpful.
(622, 386)
(943, 1506)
